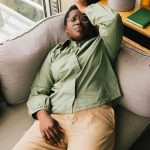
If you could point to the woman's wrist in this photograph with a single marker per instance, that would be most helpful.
(41, 113)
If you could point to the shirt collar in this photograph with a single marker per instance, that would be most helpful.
(77, 44)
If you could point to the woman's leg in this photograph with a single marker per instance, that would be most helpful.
(92, 129)
(33, 140)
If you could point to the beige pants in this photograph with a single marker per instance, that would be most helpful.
(91, 129)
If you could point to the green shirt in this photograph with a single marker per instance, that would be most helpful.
(77, 76)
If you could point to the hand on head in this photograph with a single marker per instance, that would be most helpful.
(81, 4)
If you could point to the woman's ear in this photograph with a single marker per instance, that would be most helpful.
(66, 29)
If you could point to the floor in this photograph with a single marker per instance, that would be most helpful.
(13, 23)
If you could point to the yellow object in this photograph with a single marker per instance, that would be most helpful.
(145, 2)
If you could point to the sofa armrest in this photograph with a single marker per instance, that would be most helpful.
(133, 71)
(22, 57)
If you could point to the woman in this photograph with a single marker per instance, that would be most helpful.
(72, 94)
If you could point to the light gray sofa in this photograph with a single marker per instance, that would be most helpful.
(21, 58)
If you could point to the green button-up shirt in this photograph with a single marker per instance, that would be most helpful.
(77, 76)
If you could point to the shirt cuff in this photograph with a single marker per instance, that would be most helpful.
(37, 103)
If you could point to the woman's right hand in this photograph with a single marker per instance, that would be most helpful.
(49, 127)
(81, 4)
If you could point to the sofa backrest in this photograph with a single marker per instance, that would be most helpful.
(133, 70)
(21, 58)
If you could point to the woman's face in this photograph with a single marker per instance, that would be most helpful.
(77, 25)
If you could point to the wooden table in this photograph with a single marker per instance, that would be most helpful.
(124, 15)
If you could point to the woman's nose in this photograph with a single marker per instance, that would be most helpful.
(78, 21)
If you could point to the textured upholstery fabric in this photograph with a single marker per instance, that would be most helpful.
(1, 100)
(14, 122)
(129, 127)
(133, 69)
(21, 58)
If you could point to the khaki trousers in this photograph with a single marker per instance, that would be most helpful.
(90, 129)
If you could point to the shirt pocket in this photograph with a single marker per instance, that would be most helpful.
(65, 68)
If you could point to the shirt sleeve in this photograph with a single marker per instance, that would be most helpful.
(110, 27)
(41, 89)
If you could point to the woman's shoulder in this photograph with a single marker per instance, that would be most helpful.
(57, 50)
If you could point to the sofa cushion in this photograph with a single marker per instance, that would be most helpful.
(21, 57)
(133, 69)
(1, 100)
(129, 126)
(14, 122)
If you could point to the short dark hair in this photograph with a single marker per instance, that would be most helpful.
(67, 13)
(93, 31)
(92, 1)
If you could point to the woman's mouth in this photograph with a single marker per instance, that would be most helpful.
(79, 28)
